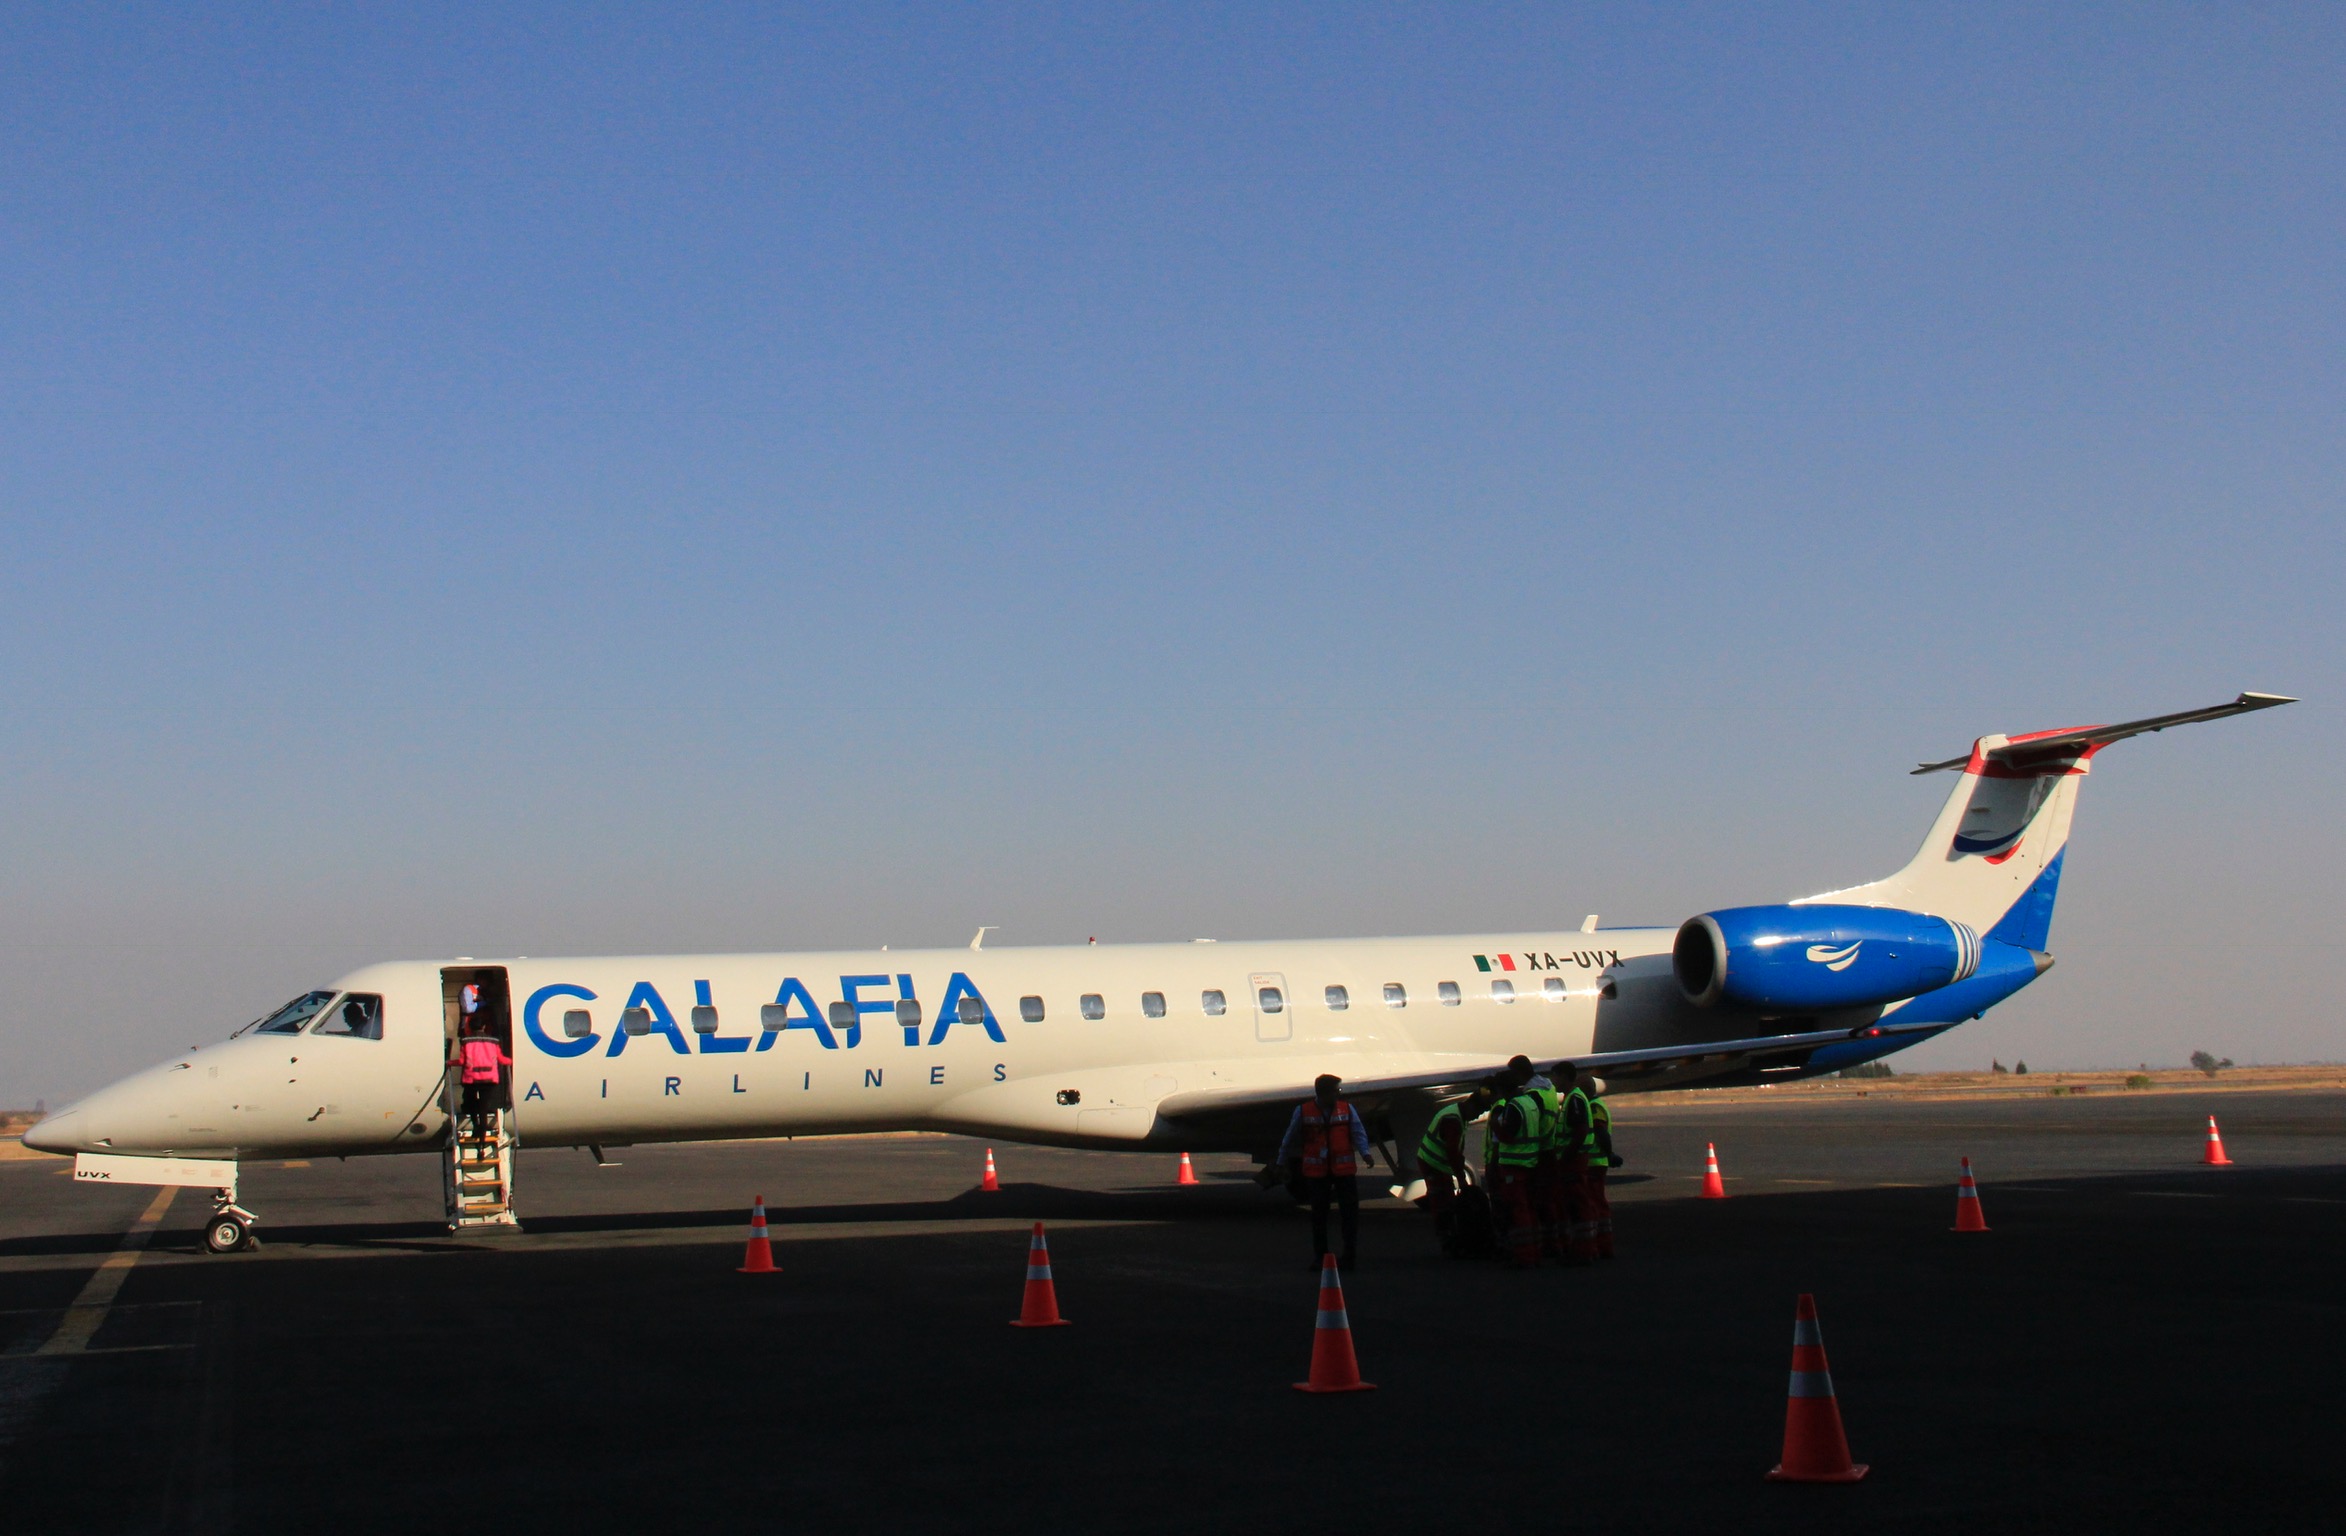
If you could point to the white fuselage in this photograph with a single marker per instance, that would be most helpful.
(1066, 1078)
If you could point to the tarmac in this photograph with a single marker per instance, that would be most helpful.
(2138, 1339)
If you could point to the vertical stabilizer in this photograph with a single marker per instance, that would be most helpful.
(1992, 860)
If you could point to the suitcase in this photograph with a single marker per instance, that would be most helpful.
(1471, 1234)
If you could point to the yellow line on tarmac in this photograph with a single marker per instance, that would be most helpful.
(87, 1314)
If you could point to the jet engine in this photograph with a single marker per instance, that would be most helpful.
(1800, 959)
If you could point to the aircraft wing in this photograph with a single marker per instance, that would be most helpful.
(1460, 1073)
(2054, 744)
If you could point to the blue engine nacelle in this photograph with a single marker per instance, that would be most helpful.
(1788, 959)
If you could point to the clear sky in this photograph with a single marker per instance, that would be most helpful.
(498, 480)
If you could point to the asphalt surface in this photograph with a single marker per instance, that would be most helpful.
(2137, 1340)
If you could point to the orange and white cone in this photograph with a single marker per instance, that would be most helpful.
(989, 1182)
(1713, 1187)
(1815, 1449)
(1968, 1215)
(759, 1259)
(1040, 1308)
(1187, 1175)
(1333, 1368)
(2214, 1156)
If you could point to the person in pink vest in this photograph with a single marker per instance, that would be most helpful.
(483, 1067)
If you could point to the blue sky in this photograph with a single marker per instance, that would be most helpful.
(565, 479)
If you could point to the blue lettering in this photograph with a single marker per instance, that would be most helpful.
(806, 1080)
(904, 991)
(674, 1083)
(937, 1075)
(647, 997)
(716, 1044)
(871, 1077)
(537, 1031)
(606, 1087)
(737, 1088)
(535, 1092)
(949, 1011)
(1001, 1071)
(851, 986)
(794, 991)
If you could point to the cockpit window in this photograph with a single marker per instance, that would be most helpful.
(294, 1017)
(359, 1016)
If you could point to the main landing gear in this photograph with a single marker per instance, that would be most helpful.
(231, 1227)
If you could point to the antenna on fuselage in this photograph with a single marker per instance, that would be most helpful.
(980, 941)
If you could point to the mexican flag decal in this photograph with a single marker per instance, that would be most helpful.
(1494, 962)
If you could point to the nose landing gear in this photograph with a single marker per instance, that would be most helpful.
(231, 1227)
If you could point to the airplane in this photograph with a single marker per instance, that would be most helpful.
(1201, 1046)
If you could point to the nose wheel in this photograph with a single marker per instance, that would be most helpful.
(231, 1229)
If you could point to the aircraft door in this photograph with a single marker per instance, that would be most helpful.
(1274, 1006)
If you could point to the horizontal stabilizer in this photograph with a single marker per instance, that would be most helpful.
(2021, 751)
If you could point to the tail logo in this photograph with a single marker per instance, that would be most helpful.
(1835, 959)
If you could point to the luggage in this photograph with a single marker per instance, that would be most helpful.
(1471, 1234)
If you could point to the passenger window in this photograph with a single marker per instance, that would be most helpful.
(1502, 991)
(360, 1017)
(636, 1021)
(577, 1023)
(908, 1012)
(1448, 992)
(1396, 995)
(1270, 999)
(295, 1016)
(1091, 1006)
(972, 1010)
(1214, 1002)
(704, 1019)
(843, 1017)
(1031, 1009)
(771, 1017)
(1338, 999)
(1554, 987)
(1153, 1004)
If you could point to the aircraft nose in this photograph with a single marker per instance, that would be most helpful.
(60, 1132)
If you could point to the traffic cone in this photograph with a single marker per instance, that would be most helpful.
(1815, 1449)
(2214, 1156)
(1333, 1368)
(989, 1182)
(1040, 1308)
(1968, 1216)
(1713, 1187)
(759, 1260)
(1188, 1175)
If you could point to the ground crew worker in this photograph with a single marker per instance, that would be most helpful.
(1441, 1159)
(1574, 1145)
(1324, 1144)
(1601, 1158)
(482, 1068)
(1547, 1185)
(1511, 1157)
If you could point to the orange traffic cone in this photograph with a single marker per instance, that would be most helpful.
(1040, 1309)
(1968, 1216)
(1713, 1187)
(1815, 1449)
(1333, 1368)
(1188, 1175)
(989, 1182)
(2214, 1156)
(759, 1260)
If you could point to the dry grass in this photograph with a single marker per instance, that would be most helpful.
(2007, 1085)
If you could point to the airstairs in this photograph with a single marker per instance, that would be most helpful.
(480, 1172)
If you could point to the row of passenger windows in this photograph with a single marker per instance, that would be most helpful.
(1214, 1002)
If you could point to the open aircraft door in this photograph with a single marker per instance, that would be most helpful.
(477, 1000)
